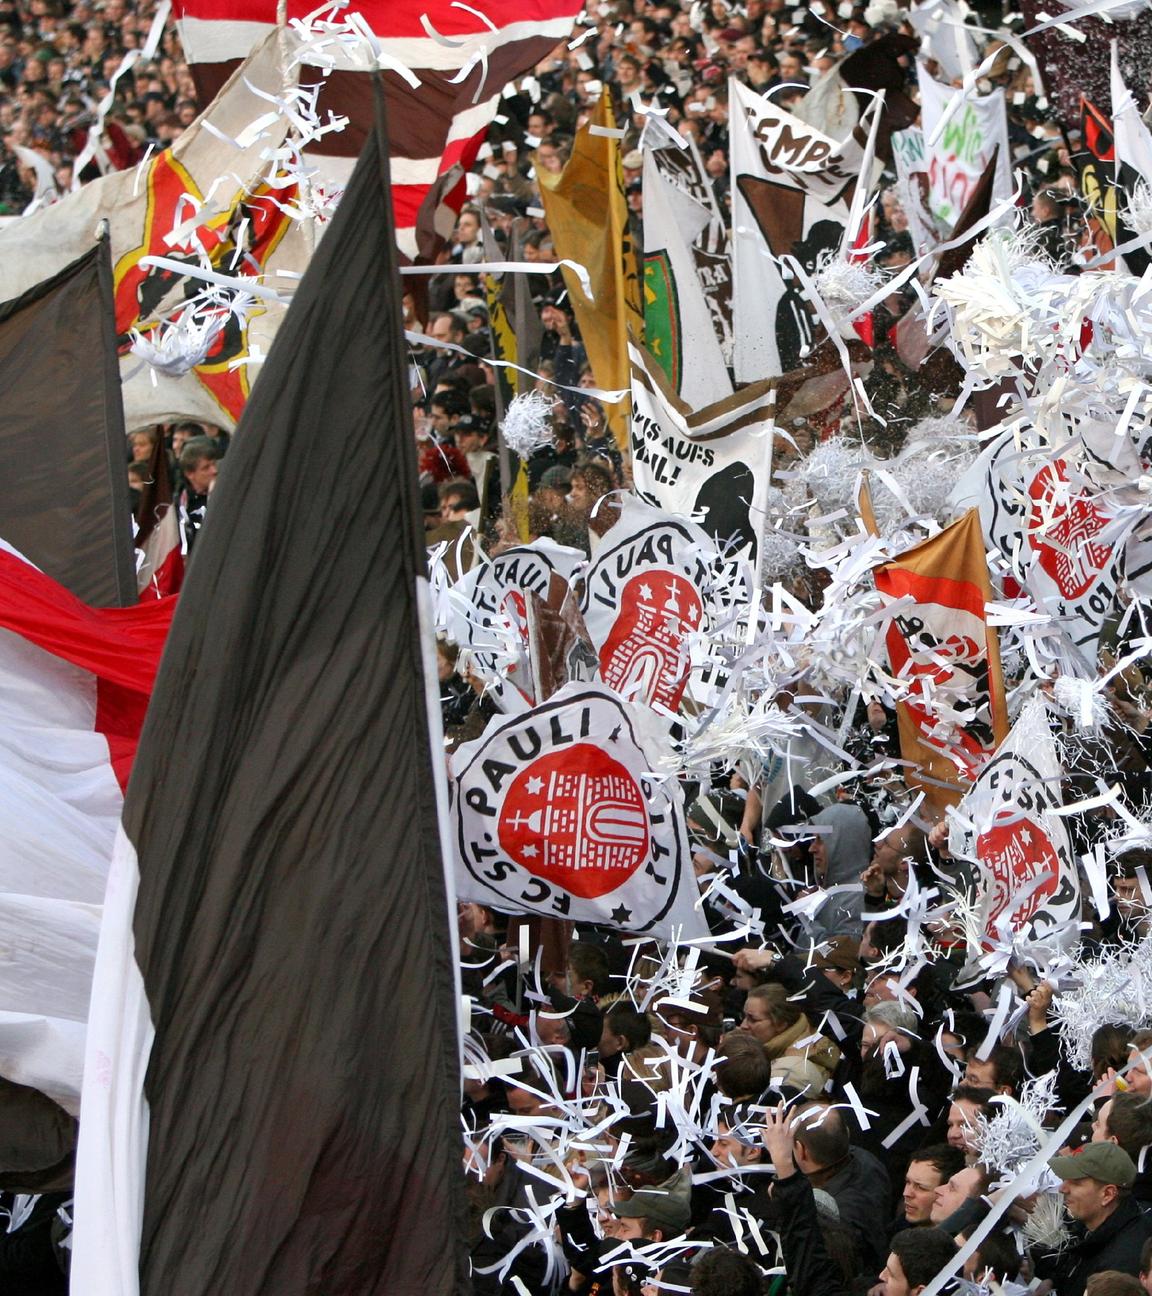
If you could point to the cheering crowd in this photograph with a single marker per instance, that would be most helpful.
(849, 1103)
(833, 1094)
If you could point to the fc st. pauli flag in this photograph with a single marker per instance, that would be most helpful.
(655, 582)
(945, 659)
(1058, 533)
(556, 812)
(488, 614)
(791, 186)
(1009, 826)
(710, 463)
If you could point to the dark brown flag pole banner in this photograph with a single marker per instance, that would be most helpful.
(62, 419)
(291, 945)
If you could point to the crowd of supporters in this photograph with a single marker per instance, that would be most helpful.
(810, 1114)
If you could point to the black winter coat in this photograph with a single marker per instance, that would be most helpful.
(1116, 1244)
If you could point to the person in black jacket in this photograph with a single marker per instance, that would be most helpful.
(1108, 1229)
(852, 1177)
(807, 1262)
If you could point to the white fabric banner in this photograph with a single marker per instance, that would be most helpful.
(791, 189)
(60, 805)
(679, 326)
(957, 160)
(711, 464)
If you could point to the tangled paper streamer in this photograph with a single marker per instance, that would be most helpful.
(1137, 211)
(1081, 701)
(1115, 987)
(829, 476)
(184, 340)
(1007, 1141)
(844, 285)
(1046, 1225)
(528, 423)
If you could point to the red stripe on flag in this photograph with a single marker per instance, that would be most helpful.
(121, 647)
(390, 18)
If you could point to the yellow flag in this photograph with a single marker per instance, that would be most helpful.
(588, 216)
(942, 648)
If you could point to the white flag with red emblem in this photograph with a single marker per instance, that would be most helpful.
(1062, 538)
(488, 614)
(557, 812)
(1028, 888)
(655, 585)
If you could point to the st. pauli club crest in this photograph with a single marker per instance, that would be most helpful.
(490, 618)
(645, 594)
(1028, 881)
(556, 812)
(1057, 533)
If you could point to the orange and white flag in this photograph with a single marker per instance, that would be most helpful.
(945, 659)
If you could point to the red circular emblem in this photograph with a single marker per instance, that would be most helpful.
(1065, 548)
(576, 818)
(1015, 851)
(657, 609)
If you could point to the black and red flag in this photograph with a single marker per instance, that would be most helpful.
(272, 1080)
(65, 499)
(1096, 162)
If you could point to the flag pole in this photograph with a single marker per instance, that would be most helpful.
(502, 456)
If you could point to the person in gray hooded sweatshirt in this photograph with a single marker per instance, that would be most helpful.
(841, 852)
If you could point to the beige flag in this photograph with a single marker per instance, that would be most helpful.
(588, 217)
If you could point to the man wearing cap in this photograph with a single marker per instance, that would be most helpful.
(651, 1215)
(1108, 1228)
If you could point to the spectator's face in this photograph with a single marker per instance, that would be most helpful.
(548, 158)
(1129, 901)
(952, 1195)
(579, 496)
(892, 1280)
(920, 1185)
(980, 1074)
(441, 329)
(523, 1103)
(201, 476)
(452, 509)
(441, 423)
(552, 1029)
(962, 1125)
(791, 69)
(464, 286)
(468, 228)
(1138, 1078)
(883, 988)
(729, 1151)
(757, 1021)
(1100, 1124)
(819, 852)
(1087, 1200)
(610, 1042)
(141, 444)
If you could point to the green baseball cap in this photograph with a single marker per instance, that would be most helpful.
(671, 1214)
(1104, 1162)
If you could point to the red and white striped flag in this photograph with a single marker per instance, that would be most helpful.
(74, 685)
(463, 58)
